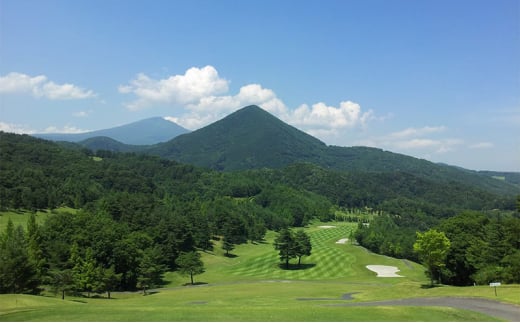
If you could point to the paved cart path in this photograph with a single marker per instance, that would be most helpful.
(496, 309)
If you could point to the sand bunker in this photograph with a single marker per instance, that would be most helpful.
(342, 241)
(384, 271)
(326, 226)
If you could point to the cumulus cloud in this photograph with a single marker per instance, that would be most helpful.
(40, 86)
(200, 96)
(15, 128)
(323, 117)
(189, 88)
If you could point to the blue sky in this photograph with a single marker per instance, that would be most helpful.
(438, 80)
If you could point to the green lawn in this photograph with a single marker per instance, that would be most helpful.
(21, 217)
(252, 287)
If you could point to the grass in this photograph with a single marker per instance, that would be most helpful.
(255, 301)
(252, 287)
(21, 217)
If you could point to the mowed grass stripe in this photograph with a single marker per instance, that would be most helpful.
(328, 260)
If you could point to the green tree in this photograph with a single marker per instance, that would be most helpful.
(151, 269)
(190, 264)
(284, 243)
(302, 245)
(227, 244)
(17, 274)
(34, 249)
(109, 280)
(61, 281)
(432, 247)
(91, 273)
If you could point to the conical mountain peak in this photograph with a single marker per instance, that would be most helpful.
(247, 138)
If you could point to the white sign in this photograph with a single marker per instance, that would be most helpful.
(494, 284)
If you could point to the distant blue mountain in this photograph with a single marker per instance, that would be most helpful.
(144, 132)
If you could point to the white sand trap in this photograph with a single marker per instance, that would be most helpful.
(384, 271)
(326, 226)
(342, 241)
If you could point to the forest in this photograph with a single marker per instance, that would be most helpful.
(132, 216)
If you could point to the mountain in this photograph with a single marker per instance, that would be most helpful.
(248, 138)
(107, 143)
(253, 138)
(144, 132)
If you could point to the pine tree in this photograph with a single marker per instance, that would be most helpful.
(17, 274)
(302, 245)
(227, 244)
(284, 243)
(34, 249)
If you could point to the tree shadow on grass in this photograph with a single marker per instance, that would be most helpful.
(195, 284)
(296, 266)
(429, 286)
(230, 255)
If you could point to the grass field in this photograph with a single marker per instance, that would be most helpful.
(21, 217)
(252, 287)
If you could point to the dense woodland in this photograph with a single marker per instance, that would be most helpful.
(136, 214)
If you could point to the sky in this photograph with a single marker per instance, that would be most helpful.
(438, 80)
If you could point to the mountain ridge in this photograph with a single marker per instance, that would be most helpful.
(252, 138)
(143, 132)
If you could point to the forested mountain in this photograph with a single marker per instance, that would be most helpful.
(144, 132)
(510, 177)
(248, 138)
(107, 143)
(251, 138)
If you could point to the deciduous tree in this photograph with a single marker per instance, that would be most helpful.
(432, 247)
(190, 264)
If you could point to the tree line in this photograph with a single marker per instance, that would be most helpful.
(483, 246)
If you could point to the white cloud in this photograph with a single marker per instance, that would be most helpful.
(417, 143)
(410, 132)
(201, 96)
(65, 129)
(24, 129)
(15, 128)
(20, 83)
(323, 117)
(423, 141)
(189, 88)
(482, 145)
(82, 114)
(39, 86)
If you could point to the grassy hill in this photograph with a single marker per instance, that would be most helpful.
(252, 287)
